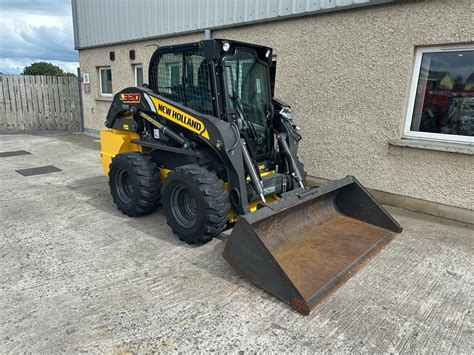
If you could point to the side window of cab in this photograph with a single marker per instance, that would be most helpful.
(183, 77)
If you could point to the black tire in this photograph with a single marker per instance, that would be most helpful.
(195, 203)
(134, 181)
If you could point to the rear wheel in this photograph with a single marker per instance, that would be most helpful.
(134, 181)
(195, 203)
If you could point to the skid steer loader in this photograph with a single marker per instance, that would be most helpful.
(207, 139)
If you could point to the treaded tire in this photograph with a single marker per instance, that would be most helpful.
(195, 203)
(134, 181)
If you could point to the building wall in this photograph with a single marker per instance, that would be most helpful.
(95, 106)
(347, 77)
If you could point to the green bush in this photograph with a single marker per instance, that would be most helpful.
(44, 68)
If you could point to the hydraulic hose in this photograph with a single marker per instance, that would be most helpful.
(257, 184)
(165, 130)
(294, 166)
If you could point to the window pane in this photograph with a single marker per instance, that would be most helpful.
(175, 75)
(139, 75)
(169, 75)
(198, 92)
(106, 81)
(444, 101)
(183, 77)
(247, 78)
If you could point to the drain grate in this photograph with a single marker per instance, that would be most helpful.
(13, 153)
(38, 171)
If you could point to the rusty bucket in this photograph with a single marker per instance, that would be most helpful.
(302, 247)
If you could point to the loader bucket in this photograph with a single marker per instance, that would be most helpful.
(304, 246)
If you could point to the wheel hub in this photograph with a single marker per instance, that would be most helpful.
(124, 186)
(183, 206)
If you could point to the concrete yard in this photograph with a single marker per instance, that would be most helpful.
(77, 275)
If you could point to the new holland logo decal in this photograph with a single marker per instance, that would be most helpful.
(182, 118)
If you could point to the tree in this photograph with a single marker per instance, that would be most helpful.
(44, 68)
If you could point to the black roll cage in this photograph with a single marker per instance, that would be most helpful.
(215, 57)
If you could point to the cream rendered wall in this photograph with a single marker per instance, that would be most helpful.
(123, 75)
(347, 77)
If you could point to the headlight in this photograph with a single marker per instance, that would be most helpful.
(226, 46)
(268, 53)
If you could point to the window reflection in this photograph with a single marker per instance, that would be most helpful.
(444, 100)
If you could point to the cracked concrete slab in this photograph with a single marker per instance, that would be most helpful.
(77, 275)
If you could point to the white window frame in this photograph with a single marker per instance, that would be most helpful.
(105, 94)
(173, 65)
(407, 133)
(135, 67)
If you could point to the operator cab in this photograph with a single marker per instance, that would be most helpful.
(226, 79)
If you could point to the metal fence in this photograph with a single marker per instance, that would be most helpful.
(39, 103)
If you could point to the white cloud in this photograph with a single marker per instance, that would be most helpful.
(13, 18)
(16, 66)
(32, 31)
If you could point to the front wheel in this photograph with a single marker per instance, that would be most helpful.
(195, 203)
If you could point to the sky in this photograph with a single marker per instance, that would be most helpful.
(36, 30)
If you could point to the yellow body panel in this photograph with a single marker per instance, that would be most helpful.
(113, 142)
(252, 207)
(164, 173)
(180, 117)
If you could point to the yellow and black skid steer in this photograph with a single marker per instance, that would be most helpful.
(207, 139)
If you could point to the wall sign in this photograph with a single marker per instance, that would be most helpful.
(86, 78)
(86, 83)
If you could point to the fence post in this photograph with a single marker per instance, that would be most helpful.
(81, 109)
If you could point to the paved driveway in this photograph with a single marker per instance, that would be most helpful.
(77, 275)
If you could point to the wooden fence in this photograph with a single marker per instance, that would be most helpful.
(39, 103)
